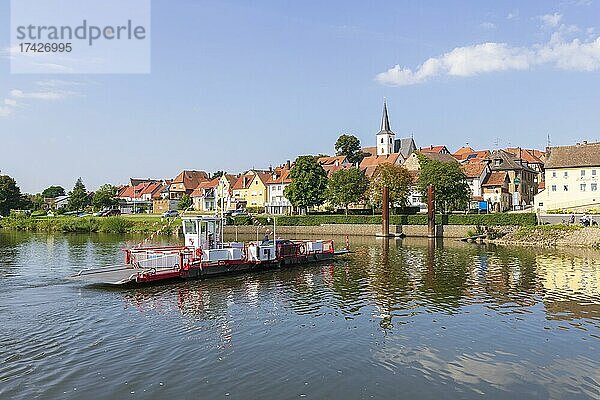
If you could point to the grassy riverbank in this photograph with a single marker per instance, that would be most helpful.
(553, 235)
(122, 224)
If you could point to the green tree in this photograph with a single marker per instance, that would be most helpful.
(10, 195)
(185, 202)
(36, 201)
(309, 182)
(398, 181)
(105, 197)
(349, 146)
(53, 191)
(217, 174)
(346, 186)
(452, 190)
(78, 197)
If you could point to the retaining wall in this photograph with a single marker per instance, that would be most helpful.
(449, 231)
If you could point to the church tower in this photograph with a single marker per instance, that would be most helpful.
(385, 136)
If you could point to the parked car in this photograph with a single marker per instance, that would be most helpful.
(111, 213)
(239, 212)
(170, 213)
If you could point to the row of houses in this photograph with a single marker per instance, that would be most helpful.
(500, 179)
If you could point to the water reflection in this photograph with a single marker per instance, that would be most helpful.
(439, 319)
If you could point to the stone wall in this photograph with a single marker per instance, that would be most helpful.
(449, 231)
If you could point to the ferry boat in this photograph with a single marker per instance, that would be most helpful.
(205, 254)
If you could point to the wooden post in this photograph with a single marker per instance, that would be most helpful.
(430, 211)
(385, 212)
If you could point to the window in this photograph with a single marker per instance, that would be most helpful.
(554, 174)
(566, 188)
(594, 187)
(382, 140)
(582, 187)
(554, 188)
(566, 174)
(583, 172)
(594, 172)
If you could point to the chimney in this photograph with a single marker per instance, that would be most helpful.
(270, 168)
(585, 142)
(430, 147)
(288, 164)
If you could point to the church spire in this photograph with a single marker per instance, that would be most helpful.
(385, 121)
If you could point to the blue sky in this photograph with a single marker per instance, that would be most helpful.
(236, 85)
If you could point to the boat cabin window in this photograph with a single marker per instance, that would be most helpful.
(190, 227)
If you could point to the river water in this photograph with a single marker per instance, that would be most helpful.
(397, 319)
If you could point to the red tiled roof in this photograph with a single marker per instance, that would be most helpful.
(369, 164)
(249, 177)
(496, 178)
(473, 169)
(371, 151)
(468, 154)
(191, 179)
(433, 149)
(439, 157)
(199, 191)
(126, 191)
(243, 182)
(279, 176)
(528, 155)
(330, 169)
(331, 160)
(463, 151)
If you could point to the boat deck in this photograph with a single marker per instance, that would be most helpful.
(109, 276)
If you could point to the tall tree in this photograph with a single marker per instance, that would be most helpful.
(78, 197)
(309, 182)
(217, 174)
(185, 202)
(105, 197)
(349, 146)
(346, 186)
(398, 181)
(451, 187)
(10, 195)
(53, 191)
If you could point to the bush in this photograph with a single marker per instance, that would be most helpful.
(417, 219)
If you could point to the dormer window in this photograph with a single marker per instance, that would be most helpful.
(497, 161)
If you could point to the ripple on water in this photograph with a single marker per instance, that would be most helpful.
(453, 321)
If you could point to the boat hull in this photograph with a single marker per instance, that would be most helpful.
(129, 276)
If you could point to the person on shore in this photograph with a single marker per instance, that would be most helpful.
(585, 220)
(572, 219)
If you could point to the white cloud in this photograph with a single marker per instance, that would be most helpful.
(551, 20)
(488, 25)
(575, 55)
(41, 95)
(56, 83)
(5, 111)
(513, 14)
(10, 102)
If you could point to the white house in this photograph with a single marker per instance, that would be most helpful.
(572, 177)
(276, 184)
(476, 172)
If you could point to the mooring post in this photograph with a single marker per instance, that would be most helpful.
(385, 212)
(430, 211)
